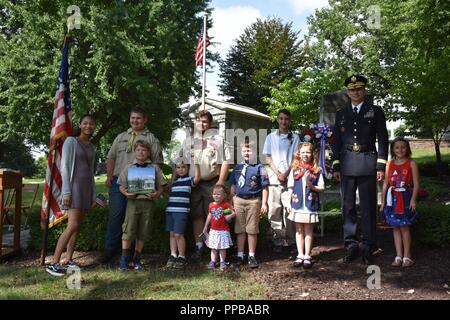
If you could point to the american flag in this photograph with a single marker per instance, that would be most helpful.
(61, 128)
(200, 50)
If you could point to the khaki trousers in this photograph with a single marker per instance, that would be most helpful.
(282, 229)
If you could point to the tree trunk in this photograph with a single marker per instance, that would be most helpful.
(438, 158)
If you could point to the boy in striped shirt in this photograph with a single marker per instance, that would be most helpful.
(177, 212)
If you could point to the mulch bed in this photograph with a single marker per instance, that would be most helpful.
(330, 278)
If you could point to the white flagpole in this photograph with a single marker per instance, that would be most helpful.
(204, 62)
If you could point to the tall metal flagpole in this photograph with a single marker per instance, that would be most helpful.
(49, 197)
(204, 62)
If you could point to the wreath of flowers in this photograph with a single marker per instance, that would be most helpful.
(319, 134)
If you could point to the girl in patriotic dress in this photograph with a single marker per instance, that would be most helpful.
(220, 214)
(305, 182)
(399, 198)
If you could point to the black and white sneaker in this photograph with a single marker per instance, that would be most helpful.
(252, 263)
(180, 263)
(56, 270)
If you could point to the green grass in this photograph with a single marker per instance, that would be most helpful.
(108, 283)
(428, 155)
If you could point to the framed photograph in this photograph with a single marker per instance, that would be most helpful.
(141, 180)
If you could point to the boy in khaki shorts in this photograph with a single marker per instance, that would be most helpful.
(140, 208)
(249, 182)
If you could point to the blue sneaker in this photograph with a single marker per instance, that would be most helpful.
(56, 270)
(137, 263)
(212, 265)
(123, 263)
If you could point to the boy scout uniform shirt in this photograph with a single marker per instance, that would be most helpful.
(255, 179)
(159, 179)
(210, 155)
(354, 137)
(122, 149)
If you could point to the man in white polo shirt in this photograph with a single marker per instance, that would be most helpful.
(279, 149)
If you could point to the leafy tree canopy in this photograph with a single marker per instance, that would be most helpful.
(126, 53)
(402, 47)
(267, 53)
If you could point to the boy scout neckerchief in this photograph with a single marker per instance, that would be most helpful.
(131, 141)
(241, 181)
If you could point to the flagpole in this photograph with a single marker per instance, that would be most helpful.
(50, 191)
(49, 199)
(204, 61)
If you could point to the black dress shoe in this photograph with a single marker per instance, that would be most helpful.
(368, 258)
(352, 255)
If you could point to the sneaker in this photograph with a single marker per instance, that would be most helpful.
(70, 263)
(56, 270)
(197, 255)
(137, 263)
(223, 265)
(180, 263)
(252, 263)
(212, 265)
(238, 260)
(171, 261)
(123, 263)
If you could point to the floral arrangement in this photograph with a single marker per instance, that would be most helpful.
(319, 134)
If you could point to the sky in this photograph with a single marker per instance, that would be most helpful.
(231, 17)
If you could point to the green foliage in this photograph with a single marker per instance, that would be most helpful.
(16, 155)
(302, 96)
(93, 231)
(126, 53)
(41, 167)
(266, 54)
(407, 59)
(433, 227)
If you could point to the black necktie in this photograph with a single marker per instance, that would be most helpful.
(355, 110)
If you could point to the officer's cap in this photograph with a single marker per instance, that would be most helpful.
(355, 82)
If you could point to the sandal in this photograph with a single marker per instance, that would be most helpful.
(408, 262)
(398, 262)
(307, 263)
(298, 262)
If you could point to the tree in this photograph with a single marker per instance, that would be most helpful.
(267, 53)
(16, 155)
(302, 96)
(126, 53)
(406, 58)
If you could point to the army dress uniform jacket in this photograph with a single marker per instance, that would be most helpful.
(354, 137)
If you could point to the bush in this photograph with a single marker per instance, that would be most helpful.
(433, 226)
(429, 169)
(91, 237)
(332, 222)
(93, 231)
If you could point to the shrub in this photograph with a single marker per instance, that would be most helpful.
(332, 222)
(91, 237)
(433, 226)
(93, 231)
